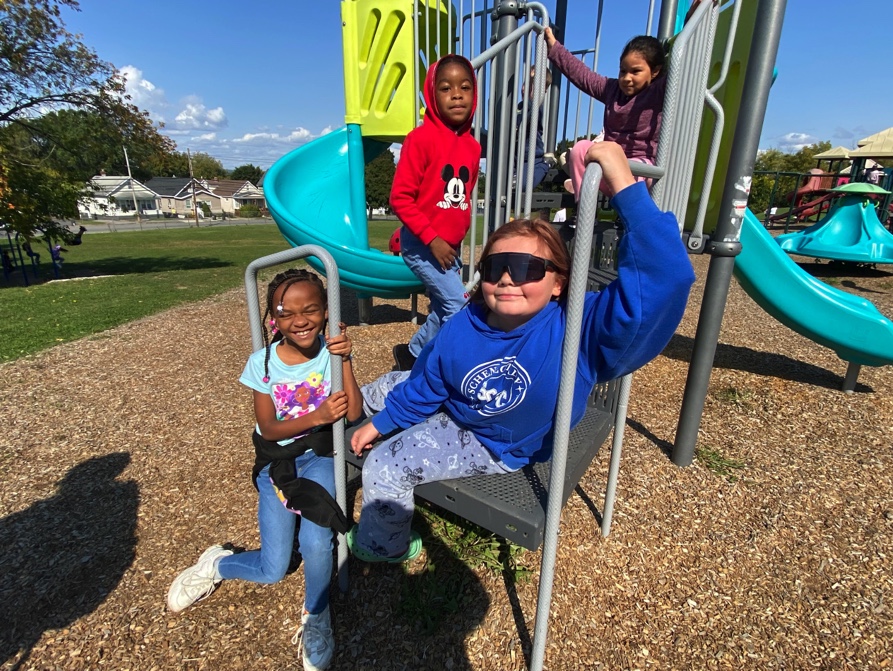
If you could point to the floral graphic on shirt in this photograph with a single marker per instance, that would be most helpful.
(296, 399)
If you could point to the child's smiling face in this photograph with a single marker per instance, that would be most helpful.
(454, 93)
(513, 303)
(303, 315)
(635, 73)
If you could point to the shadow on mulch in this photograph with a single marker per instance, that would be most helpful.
(62, 556)
(662, 444)
(435, 602)
(382, 313)
(767, 364)
(109, 266)
(838, 269)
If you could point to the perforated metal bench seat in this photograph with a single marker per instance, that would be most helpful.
(513, 505)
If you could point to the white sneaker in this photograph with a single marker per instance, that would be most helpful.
(196, 582)
(317, 641)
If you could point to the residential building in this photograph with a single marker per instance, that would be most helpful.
(114, 195)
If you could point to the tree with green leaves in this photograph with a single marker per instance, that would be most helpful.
(83, 143)
(176, 164)
(379, 179)
(248, 171)
(47, 69)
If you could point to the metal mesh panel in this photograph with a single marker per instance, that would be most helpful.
(683, 108)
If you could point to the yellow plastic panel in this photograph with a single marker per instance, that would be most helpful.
(379, 76)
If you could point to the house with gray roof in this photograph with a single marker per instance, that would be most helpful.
(175, 195)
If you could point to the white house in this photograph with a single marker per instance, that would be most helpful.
(114, 195)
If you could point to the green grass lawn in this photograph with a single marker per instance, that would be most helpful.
(128, 275)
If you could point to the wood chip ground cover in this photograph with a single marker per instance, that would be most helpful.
(127, 454)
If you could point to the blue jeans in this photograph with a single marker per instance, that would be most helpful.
(445, 289)
(277, 536)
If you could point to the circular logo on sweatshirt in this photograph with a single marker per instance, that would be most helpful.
(496, 386)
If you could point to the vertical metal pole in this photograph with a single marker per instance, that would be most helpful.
(136, 207)
(726, 243)
(505, 17)
(667, 25)
(555, 92)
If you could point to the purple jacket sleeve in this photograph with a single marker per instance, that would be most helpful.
(576, 70)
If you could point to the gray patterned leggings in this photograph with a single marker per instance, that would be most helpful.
(437, 449)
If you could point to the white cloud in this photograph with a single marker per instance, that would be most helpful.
(195, 116)
(263, 147)
(143, 93)
(298, 135)
(794, 142)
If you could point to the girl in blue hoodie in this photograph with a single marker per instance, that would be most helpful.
(482, 396)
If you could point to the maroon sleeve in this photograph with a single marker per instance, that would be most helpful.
(577, 71)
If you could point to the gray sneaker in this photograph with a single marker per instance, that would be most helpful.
(317, 641)
(196, 582)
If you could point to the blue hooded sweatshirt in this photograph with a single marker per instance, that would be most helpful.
(503, 386)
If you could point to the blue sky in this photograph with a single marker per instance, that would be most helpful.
(248, 82)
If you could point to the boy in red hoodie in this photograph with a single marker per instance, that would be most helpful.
(433, 194)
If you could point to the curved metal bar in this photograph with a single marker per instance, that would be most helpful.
(730, 42)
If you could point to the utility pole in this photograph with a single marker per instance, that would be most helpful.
(191, 177)
(132, 190)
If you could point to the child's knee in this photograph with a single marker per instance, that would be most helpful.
(380, 474)
(274, 571)
(578, 151)
(316, 545)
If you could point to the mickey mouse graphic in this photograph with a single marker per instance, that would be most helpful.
(454, 191)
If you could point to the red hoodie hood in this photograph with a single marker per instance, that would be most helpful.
(432, 114)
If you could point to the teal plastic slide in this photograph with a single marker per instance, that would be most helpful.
(851, 326)
(851, 231)
(317, 196)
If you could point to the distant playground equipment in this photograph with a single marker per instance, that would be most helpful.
(18, 254)
(811, 197)
(851, 230)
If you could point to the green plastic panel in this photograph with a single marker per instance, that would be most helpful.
(380, 64)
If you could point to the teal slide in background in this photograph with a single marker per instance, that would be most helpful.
(317, 196)
(851, 326)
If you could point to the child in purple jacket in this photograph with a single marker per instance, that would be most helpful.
(633, 102)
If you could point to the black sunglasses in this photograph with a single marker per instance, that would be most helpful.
(522, 268)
